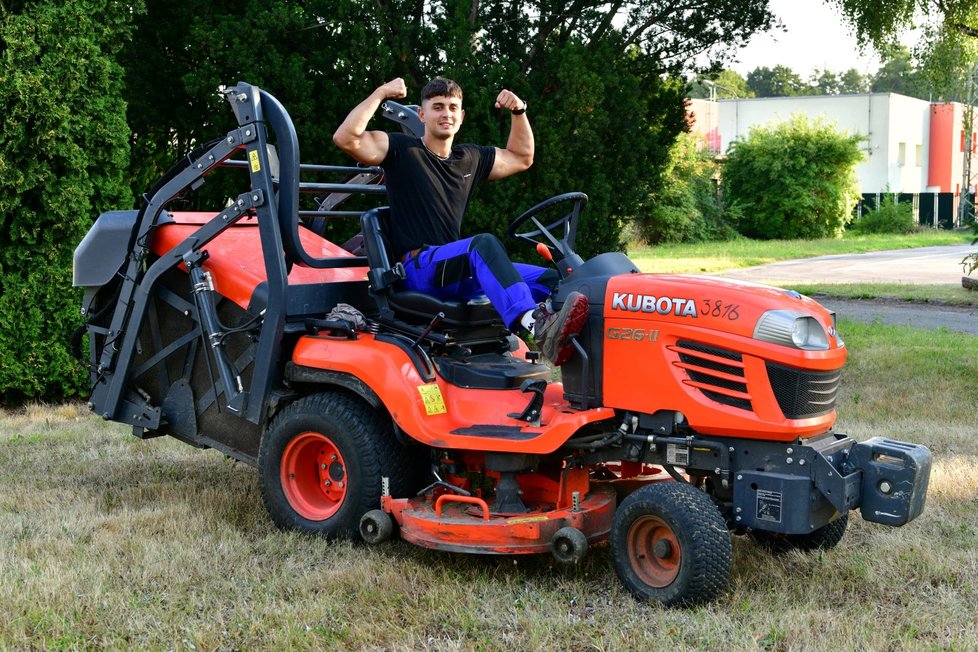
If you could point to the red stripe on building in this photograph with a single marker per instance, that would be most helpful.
(941, 146)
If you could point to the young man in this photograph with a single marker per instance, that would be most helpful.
(429, 182)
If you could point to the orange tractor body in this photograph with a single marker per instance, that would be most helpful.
(693, 408)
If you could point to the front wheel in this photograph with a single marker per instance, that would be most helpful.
(321, 463)
(670, 544)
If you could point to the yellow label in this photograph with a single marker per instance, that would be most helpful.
(434, 402)
(253, 157)
(527, 519)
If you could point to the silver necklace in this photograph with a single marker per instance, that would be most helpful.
(443, 158)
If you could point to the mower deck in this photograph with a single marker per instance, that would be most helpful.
(466, 524)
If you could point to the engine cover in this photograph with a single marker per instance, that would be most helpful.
(687, 344)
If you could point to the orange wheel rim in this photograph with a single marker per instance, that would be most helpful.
(654, 551)
(314, 476)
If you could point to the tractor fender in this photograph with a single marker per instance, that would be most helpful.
(300, 374)
(435, 412)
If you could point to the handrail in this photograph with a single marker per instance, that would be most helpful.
(312, 167)
(469, 500)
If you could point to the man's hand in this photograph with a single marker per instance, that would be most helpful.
(395, 88)
(508, 100)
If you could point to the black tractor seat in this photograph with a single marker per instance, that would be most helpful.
(386, 285)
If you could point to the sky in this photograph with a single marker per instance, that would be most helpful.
(816, 37)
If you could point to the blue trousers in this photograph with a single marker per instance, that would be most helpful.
(467, 268)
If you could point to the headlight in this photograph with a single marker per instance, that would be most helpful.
(790, 328)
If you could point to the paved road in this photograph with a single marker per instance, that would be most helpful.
(924, 266)
(902, 313)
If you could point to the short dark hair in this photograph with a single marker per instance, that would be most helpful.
(441, 87)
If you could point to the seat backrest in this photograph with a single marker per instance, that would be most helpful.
(382, 277)
(375, 241)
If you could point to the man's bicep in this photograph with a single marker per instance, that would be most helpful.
(372, 148)
(506, 163)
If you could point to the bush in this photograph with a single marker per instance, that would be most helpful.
(63, 158)
(892, 216)
(687, 208)
(793, 180)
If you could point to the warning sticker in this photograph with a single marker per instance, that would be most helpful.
(527, 519)
(253, 158)
(434, 402)
(769, 506)
(677, 455)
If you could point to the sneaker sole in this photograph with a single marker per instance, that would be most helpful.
(573, 325)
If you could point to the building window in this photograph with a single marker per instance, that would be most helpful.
(919, 156)
(902, 155)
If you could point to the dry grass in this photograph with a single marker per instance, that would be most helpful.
(110, 542)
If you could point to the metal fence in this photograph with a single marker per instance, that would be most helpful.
(939, 210)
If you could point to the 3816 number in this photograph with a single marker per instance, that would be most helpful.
(717, 308)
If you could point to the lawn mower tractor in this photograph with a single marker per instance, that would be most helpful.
(693, 408)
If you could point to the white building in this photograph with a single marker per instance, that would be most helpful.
(912, 146)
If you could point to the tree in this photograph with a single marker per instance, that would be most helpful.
(793, 180)
(63, 159)
(945, 52)
(726, 84)
(779, 81)
(853, 81)
(829, 82)
(898, 74)
(824, 82)
(880, 23)
(687, 207)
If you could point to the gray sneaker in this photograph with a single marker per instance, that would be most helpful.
(553, 331)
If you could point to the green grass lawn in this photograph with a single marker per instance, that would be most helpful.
(107, 541)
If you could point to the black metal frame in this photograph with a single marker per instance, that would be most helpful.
(256, 112)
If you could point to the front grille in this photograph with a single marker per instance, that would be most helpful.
(802, 393)
(716, 372)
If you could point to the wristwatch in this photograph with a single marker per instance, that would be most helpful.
(519, 111)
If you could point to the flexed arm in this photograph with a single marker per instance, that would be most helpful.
(518, 154)
(368, 147)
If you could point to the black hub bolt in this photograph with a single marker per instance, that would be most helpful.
(662, 549)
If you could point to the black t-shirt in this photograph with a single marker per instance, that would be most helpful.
(428, 194)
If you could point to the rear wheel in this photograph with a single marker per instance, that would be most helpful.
(670, 544)
(824, 538)
(321, 463)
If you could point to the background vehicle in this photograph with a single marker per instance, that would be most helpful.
(694, 407)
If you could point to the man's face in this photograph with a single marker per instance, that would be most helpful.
(442, 116)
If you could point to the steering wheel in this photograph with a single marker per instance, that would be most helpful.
(564, 245)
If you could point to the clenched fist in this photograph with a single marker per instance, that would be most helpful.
(395, 88)
(508, 100)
